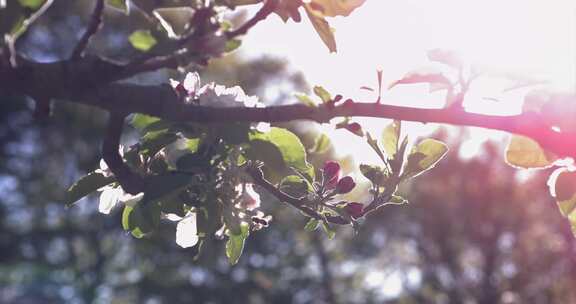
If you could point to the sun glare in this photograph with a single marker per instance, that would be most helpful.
(531, 39)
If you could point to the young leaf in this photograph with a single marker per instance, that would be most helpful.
(423, 157)
(322, 27)
(525, 153)
(321, 144)
(153, 142)
(143, 121)
(86, 185)
(312, 225)
(423, 76)
(390, 138)
(141, 219)
(332, 8)
(235, 244)
(305, 99)
(121, 5)
(32, 4)
(142, 40)
(288, 145)
(295, 185)
(322, 93)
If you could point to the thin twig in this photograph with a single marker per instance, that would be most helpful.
(262, 14)
(93, 26)
(11, 41)
(298, 203)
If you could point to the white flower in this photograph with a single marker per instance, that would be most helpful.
(215, 95)
(112, 196)
(186, 230)
(249, 199)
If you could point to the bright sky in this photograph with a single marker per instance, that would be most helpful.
(532, 38)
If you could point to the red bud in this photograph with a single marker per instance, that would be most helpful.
(355, 128)
(355, 209)
(331, 173)
(345, 185)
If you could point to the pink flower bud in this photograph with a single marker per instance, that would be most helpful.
(355, 209)
(355, 128)
(345, 185)
(331, 173)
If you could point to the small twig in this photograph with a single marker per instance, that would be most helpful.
(129, 181)
(298, 203)
(93, 26)
(11, 41)
(264, 12)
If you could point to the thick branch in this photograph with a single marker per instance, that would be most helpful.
(130, 182)
(93, 26)
(51, 80)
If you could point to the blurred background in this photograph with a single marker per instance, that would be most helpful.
(475, 231)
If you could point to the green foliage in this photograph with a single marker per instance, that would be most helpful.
(322, 93)
(322, 27)
(32, 4)
(523, 152)
(321, 144)
(235, 243)
(141, 219)
(121, 5)
(86, 185)
(423, 157)
(142, 40)
(391, 138)
(283, 142)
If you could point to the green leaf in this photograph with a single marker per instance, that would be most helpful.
(322, 93)
(86, 185)
(305, 99)
(232, 45)
(523, 152)
(375, 174)
(289, 146)
(160, 187)
(423, 157)
(32, 4)
(321, 144)
(141, 219)
(235, 244)
(332, 8)
(312, 225)
(121, 5)
(295, 186)
(322, 27)
(142, 40)
(565, 192)
(390, 138)
(143, 121)
(153, 142)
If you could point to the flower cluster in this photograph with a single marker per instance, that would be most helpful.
(214, 95)
(332, 181)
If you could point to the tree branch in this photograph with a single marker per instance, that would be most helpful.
(52, 80)
(298, 203)
(93, 26)
(262, 14)
(129, 181)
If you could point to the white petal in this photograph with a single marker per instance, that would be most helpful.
(108, 199)
(263, 127)
(131, 200)
(186, 232)
(172, 217)
(192, 82)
